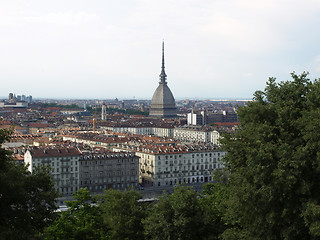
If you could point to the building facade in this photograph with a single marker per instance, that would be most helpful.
(72, 169)
(104, 170)
(175, 164)
(196, 134)
(64, 163)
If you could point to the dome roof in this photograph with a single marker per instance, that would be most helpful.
(163, 103)
(163, 96)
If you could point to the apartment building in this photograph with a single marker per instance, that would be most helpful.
(64, 163)
(72, 168)
(176, 164)
(196, 134)
(102, 169)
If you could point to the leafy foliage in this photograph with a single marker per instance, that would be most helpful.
(274, 164)
(212, 201)
(180, 215)
(122, 214)
(82, 220)
(27, 201)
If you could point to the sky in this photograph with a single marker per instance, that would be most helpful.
(103, 49)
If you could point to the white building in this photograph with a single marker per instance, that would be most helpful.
(64, 163)
(186, 133)
(174, 164)
(14, 105)
(163, 131)
(196, 134)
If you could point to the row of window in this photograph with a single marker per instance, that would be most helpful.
(193, 155)
(37, 162)
(104, 162)
(56, 169)
(199, 179)
(214, 160)
(198, 167)
(108, 167)
(109, 180)
(68, 190)
(114, 173)
(57, 158)
(116, 186)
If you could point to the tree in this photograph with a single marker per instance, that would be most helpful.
(27, 201)
(212, 201)
(177, 216)
(82, 220)
(274, 164)
(122, 214)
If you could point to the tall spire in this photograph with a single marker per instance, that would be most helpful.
(163, 75)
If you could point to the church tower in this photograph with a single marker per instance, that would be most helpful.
(163, 103)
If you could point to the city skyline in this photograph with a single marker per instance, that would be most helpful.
(109, 49)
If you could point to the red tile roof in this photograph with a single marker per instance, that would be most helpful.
(54, 152)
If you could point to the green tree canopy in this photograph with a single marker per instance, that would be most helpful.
(274, 164)
(122, 214)
(179, 215)
(27, 201)
(82, 220)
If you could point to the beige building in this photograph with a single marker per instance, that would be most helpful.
(175, 164)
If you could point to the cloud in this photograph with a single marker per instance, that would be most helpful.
(213, 47)
(68, 18)
(316, 63)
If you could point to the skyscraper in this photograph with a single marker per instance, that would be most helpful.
(163, 103)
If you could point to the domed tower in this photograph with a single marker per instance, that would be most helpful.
(163, 103)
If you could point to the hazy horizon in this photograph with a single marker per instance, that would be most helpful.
(107, 49)
(139, 99)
